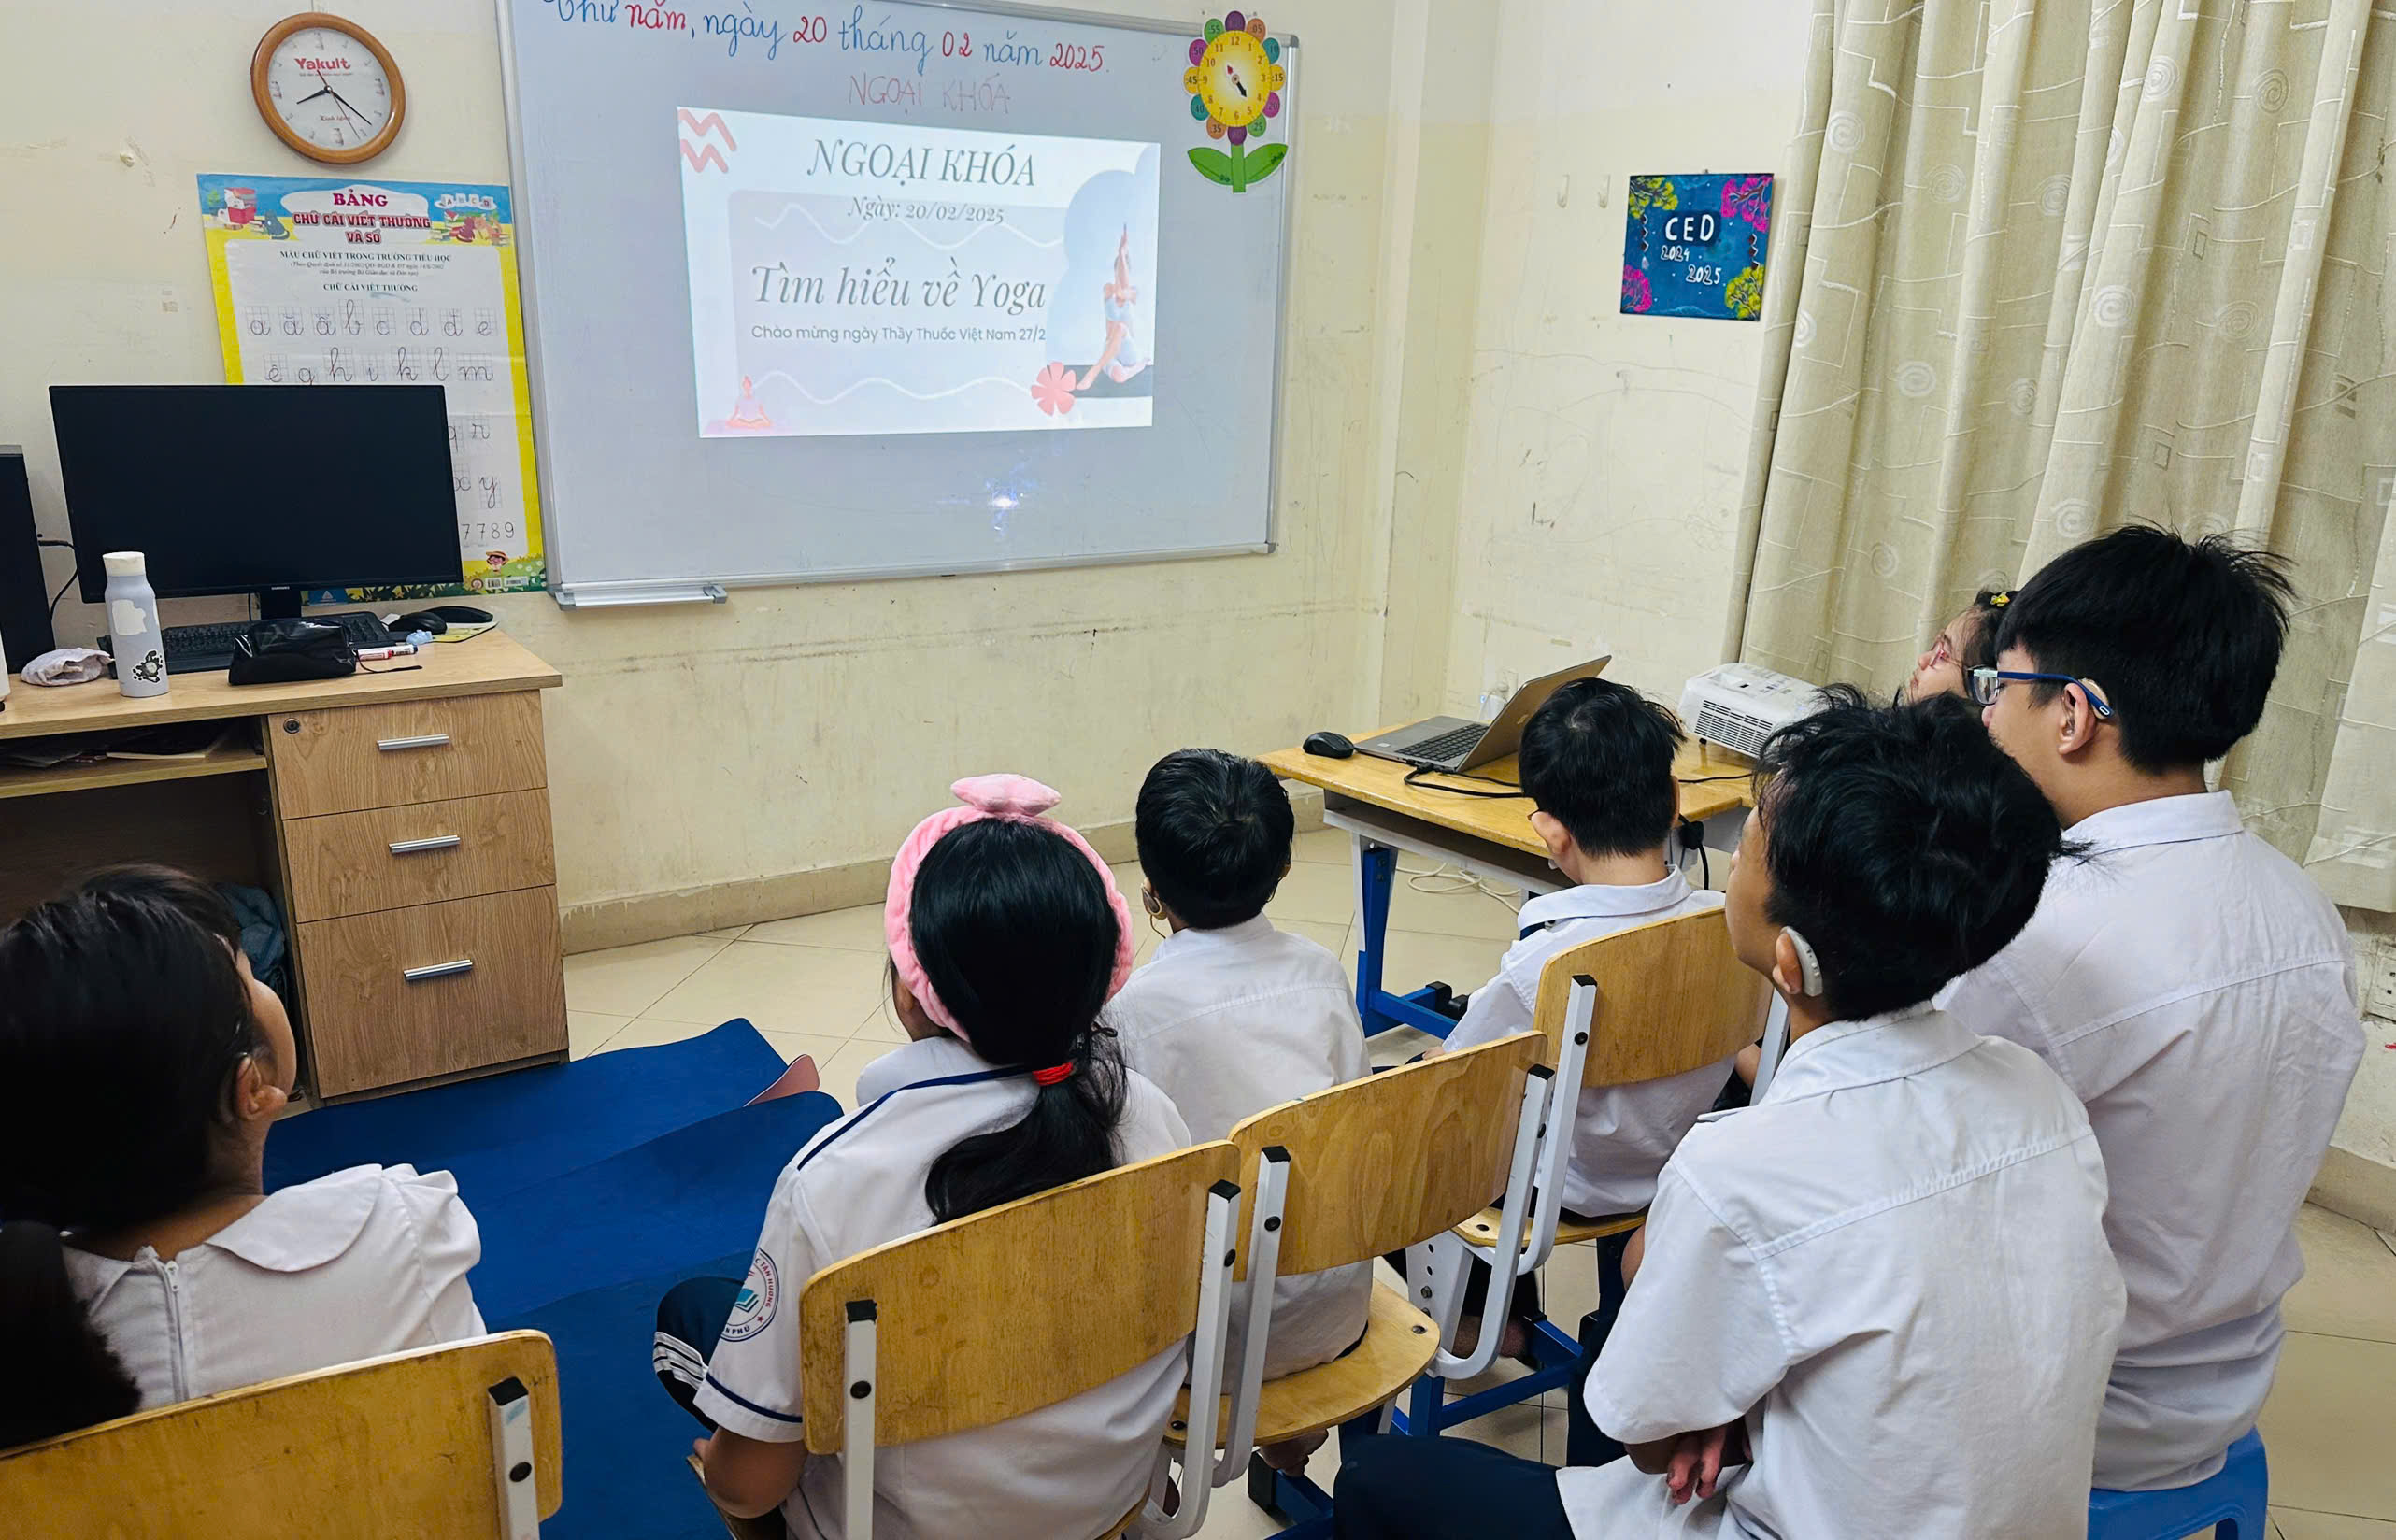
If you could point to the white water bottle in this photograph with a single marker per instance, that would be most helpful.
(134, 635)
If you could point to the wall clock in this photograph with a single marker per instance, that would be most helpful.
(327, 87)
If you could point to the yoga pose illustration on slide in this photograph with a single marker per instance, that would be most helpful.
(1121, 360)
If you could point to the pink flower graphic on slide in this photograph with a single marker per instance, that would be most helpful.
(1748, 198)
(1054, 390)
(1636, 295)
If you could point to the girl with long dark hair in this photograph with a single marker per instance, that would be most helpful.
(1006, 936)
(141, 1259)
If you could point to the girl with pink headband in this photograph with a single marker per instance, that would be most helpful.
(1006, 937)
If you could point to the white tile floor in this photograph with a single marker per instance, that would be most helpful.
(814, 985)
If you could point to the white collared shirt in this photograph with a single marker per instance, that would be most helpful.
(1073, 1468)
(365, 1262)
(1621, 1135)
(1894, 1267)
(1229, 1023)
(2197, 991)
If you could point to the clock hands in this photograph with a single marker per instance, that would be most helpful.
(328, 90)
(1236, 80)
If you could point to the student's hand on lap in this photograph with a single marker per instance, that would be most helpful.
(1698, 1458)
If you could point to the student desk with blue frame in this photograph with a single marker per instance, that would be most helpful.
(1488, 837)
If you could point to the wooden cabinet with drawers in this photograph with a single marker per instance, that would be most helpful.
(403, 820)
(423, 884)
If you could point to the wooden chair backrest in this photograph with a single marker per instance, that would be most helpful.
(388, 1447)
(1392, 1158)
(1016, 1308)
(1672, 997)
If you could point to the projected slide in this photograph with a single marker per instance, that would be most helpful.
(851, 278)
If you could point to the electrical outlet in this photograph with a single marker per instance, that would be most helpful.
(2380, 998)
(2378, 969)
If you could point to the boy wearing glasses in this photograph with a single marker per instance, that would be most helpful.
(2189, 982)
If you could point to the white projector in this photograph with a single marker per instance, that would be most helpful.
(1739, 705)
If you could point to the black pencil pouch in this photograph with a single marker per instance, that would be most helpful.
(281, 651)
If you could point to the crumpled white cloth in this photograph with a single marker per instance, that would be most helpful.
(68, 666)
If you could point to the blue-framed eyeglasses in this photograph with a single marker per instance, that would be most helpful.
(1986, 682)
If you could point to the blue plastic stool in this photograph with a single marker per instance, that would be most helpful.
(2233, 1498)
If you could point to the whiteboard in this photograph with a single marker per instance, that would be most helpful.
(891, 289)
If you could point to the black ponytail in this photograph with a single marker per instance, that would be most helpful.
(1013, 930)
(68, 1377)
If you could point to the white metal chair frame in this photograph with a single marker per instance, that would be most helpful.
(1263, 1268)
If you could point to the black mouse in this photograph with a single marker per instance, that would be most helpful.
(1330, 746)
(463, 614)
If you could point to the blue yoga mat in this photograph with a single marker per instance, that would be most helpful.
(509, 1132)
(597, 1185)
(696, 1192)
(585, 1257)
(625, 1443)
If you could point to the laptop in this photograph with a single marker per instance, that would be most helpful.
(1454, 745)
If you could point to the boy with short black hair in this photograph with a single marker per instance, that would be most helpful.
(1879, 1301)
(1234, 1015)
(2190, 983)
(1596, 759)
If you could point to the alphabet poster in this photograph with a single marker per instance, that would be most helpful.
(331, 280)
(1695, 246)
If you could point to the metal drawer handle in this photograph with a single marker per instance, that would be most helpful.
(430, 842)
(430, 740)
(437, 970)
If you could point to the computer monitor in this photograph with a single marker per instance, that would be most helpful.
(266, 490)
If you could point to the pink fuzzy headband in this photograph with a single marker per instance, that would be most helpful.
(1017, 797)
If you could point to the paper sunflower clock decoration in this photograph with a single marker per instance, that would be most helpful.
(1235, 82)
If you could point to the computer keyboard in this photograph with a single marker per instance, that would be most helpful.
(209, 649)
(1447, 746)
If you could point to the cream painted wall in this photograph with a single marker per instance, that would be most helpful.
(733, 763)
(1600, 487)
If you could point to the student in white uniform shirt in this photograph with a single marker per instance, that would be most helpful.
(1596, 761)
(2189, 982)
(141, 1069)
(1879, 1301)
(1006, 938)
(1232, 1016)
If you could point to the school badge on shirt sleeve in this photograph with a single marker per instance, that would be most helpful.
(753, 1307)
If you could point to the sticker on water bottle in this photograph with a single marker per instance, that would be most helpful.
(126, 620)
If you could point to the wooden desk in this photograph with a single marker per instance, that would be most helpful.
(1490, 837)
(400, 820)
(1382, 783)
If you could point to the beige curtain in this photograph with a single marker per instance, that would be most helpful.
(2049, 266)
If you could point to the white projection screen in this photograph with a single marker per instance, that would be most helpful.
(880, 290)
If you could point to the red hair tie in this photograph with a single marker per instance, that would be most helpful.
(1053, 1074)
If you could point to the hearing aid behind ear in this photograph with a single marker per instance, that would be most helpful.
(1809, 967)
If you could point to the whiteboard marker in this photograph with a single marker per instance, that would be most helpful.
(377, 654)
